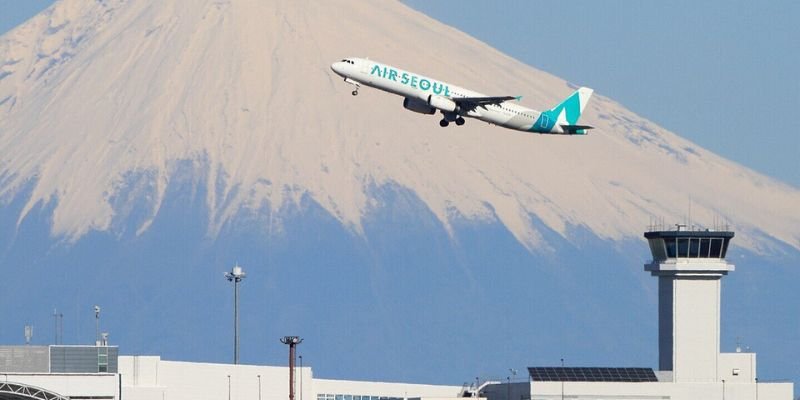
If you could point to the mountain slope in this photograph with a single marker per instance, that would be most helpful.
(94, 91)
(148, 145)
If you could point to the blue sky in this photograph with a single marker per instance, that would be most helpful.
(720, 73)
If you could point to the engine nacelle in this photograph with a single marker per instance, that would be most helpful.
(443, 103)
(418, 106)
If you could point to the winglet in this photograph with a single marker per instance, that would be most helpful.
(519, 98)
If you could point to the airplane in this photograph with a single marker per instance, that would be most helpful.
(427, 96)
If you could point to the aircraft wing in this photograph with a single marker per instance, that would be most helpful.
(472, 102)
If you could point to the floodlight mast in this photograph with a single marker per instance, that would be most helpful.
(96, 325)
(236, 275)
(292, 341)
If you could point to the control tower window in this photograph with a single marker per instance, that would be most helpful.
(716, 247)
(694, 248)
(671, 246)
(724, 247)
(704, 247)
(657, 249)
(683, 247)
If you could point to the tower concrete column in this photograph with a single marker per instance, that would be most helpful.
(689, 265)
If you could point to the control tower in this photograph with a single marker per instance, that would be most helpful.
(689, 265)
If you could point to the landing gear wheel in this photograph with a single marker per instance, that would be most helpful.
(443, 123)
(355, 92)
(459, 121)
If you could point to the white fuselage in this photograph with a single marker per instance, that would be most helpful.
(423, 90)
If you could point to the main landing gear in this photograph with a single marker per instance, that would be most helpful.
(444, 122)
(357, 86)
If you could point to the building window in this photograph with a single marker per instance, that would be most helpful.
(683, 247)
(704, 247)
(102, 359)
(694, 248)
(716, 247)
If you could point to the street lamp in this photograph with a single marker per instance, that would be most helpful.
(723, 389)
(292, 342)
(756, 388)
(259, 386)
(97, 325)
(562, 379)
(301, 376)
(236, 275)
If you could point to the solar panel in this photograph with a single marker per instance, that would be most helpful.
(593, 374)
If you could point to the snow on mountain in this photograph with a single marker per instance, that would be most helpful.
(101, 96)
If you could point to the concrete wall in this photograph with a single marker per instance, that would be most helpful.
(737, 367)
(24, 359)
(695, 326)
(150, 378)
(383, 389)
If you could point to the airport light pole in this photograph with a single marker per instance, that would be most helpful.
(236, 275)
(97, 325)
(59, 325)
(756, 388)
(562, 380)
(301, 376)
(292, 342)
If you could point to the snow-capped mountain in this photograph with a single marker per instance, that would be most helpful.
(163, 138)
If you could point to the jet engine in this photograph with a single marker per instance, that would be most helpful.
(443, 103)
(418, 106)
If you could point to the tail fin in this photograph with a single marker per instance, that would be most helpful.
(572, 106)
(563, 118)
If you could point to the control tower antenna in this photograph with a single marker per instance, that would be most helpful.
(292, 341)
(236, 275)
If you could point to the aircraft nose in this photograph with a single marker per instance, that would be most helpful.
(337, 67)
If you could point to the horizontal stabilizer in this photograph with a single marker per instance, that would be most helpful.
(576, 129)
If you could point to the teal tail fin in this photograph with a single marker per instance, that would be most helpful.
(563, 118)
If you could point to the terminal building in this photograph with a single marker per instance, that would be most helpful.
(689, 266)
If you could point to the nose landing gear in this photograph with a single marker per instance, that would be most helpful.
(354, 92)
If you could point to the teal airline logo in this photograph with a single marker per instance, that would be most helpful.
(412, 80)
(572, 111)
